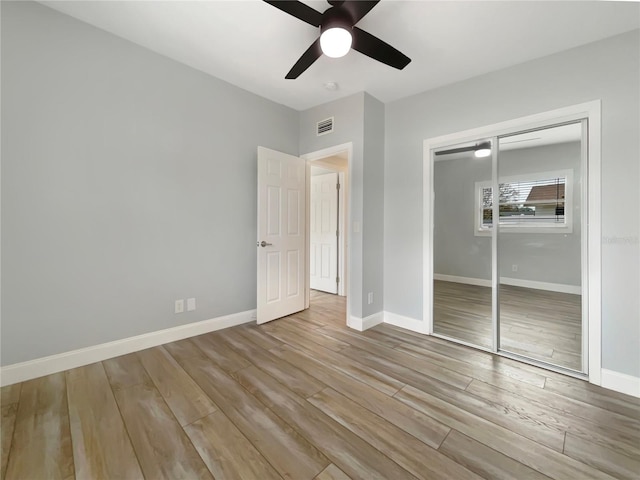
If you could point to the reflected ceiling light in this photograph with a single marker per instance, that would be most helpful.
(482, 150)
(335, 42)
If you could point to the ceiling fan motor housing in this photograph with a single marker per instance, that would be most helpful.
(336, 17)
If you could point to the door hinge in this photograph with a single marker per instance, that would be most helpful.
(337, 233)
(337, 279)
(337, 186)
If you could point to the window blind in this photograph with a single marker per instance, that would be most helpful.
(527, 202)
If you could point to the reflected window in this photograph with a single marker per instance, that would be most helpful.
(538, 202)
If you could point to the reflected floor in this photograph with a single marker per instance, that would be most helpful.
(542, 325)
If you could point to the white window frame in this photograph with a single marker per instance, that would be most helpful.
(551, 227)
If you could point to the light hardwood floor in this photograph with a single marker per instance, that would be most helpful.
(304, 397)
(545, 326)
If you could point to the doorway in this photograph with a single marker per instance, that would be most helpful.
(512, 239)
(328, 187)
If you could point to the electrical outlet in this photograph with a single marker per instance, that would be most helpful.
(191, 304)
(179, 306)
(370, 298)
(514, 268)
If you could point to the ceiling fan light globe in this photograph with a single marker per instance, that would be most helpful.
(482, 152)
(335, 42)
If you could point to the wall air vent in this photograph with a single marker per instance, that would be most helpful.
(324, 126)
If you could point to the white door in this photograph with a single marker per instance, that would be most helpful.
(281, 234)
(324, 232)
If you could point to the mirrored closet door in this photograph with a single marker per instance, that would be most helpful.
(539, 246)
(462, 296)
(512, 285)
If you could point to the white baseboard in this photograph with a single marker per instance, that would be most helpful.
(481, 282)
(515, 282)
(405, 322)
(550, 287)
(19, 372)
(621, 382)
(362, 324)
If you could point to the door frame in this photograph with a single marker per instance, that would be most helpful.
(591, 217)
(346, 209)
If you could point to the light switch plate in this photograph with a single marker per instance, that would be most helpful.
(179, 306)
(191, 304)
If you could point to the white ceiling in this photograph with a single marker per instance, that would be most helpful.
(253, 45)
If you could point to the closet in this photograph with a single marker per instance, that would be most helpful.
(508, 247)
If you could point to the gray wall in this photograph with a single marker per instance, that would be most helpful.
(373, 218)
(128, 181)
(541, 257)
(608, 70)
(456, 250)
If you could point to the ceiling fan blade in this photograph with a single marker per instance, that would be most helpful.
(299, 10)
(305, 61)
(359, 8)
(375, 48)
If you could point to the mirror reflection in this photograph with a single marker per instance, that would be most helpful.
(538, 238)
(539, 245)
(461, 256)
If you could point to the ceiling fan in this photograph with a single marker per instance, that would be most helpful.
(338, 33)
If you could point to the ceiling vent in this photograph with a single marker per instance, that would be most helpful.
(324, 126)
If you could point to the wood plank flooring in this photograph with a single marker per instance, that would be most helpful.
(306, 398)
(545, 326)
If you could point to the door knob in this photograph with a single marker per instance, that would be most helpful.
(264, 244)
